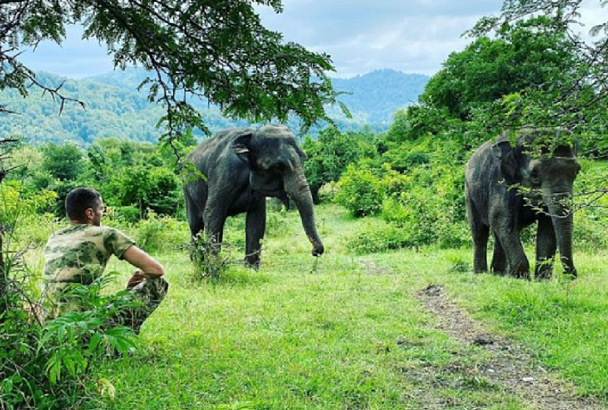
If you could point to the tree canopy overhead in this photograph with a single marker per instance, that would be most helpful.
(577, 99)
(216, 49)
(525, 54)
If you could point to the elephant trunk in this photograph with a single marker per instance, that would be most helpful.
(297, 188)
(563, 223)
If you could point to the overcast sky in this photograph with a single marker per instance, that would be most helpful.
(412, 36)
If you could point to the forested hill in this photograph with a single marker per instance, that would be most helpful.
(114, 107)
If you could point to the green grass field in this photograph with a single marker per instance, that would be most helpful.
(347, 331)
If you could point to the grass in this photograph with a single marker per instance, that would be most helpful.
(346, 331)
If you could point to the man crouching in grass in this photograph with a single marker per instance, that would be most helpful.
(80, 252)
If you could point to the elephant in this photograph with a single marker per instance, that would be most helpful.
(243, 166)
(494, 203)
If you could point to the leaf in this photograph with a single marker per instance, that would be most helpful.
(191, 174)
(345, 109)
(53, 368)
(69, 364)
(94, 343)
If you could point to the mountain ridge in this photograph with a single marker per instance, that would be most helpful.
(114, 107)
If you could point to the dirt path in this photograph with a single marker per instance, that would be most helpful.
(510, 366)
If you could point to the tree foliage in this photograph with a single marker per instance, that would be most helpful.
(577, 100)
(527, 54)
(329, 155)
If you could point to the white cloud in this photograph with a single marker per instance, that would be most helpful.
(359, 35)
(363, 35)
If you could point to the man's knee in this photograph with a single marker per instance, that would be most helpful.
(152, 289)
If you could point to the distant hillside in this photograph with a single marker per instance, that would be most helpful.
(380, 93)
(114, 107)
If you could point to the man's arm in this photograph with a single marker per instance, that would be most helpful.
(149, 266)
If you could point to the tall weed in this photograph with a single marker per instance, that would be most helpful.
(210, 262)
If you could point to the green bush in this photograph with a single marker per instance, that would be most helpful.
(156, 233)
(129, 214)
(360, 191)
(380, 237)
(150, 188)
(328, 192)
(46, 367)
(363, 187)
(330, 154)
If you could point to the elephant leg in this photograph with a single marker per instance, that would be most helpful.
(519, 266)
(546, 246)
(499, 258)
(195, 216)
(480, 233)
(214, 218)
(255, 229)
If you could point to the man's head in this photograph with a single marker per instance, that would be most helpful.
(84, 206)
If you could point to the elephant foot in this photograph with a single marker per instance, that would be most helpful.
(480, 268)
(520, 274)
(499, 271)
(542, 276)
(252, 263)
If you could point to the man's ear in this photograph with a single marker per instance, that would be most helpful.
(504, 152)
(89, 213)
(242, 147)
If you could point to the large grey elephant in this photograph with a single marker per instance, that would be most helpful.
(495, 203)
(243, 166)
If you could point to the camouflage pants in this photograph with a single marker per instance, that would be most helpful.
(147, 296)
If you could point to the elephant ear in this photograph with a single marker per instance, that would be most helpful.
(301, 154)
(504, 152)
(242, 147)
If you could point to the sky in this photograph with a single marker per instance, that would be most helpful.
(412, 36)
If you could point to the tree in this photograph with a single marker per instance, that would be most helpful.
(529, 53)
(63, 162)
(577, 102)
(328, 156)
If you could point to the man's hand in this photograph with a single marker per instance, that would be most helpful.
(138, 277)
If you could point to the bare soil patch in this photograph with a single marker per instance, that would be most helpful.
(510, 366)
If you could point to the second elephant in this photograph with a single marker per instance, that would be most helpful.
(495, 206)
(243, 166)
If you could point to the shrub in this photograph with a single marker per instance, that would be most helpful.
(46, 367)
(330, 154)
(328, 192)
(374, 238)
(360, 191)
(124, 214)
(429, 204)
(150, 188)
(159, 232)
